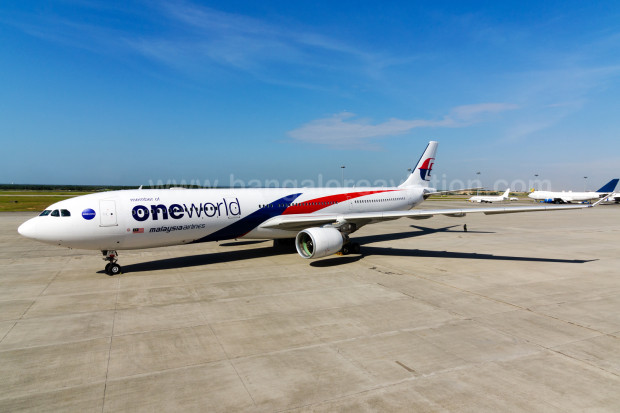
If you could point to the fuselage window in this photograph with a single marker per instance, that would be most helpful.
(65, 213)
(55, 213)
(45, 213)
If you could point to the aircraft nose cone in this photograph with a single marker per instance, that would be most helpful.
(27, 229)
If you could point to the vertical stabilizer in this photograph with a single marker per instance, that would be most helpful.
(421, 175)
(609, 186)
(506, 194)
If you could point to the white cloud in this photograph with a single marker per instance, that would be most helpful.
(199, 36)
(470, 112)
(196, 39)
(344, 129)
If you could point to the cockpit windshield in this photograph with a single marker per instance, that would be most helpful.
(56, 213)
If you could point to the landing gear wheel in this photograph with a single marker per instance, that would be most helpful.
(355, 248)
(113, 269)
(346, 249)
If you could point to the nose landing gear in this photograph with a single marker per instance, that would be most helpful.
(111, 268)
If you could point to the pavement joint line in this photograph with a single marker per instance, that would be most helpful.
(552, 349)
(584, 361)
(207, 323)
(284, 293)
(162, 329)
(229, 299)
(29, 307)
(193, 287)
(50, 391)
(243, 280)
(107, 370)
(41, 294)
(466, 366)
(8, 332)
(293, 313)
(60, 343)
(524, 309)
(164, 370)
(382, 387)
(251, 356)
(565, 321)
(327, 343)
(242, 381)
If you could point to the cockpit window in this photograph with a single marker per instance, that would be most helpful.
(55, 213)
(45, 213)
(65, 213)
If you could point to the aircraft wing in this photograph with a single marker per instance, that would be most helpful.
(300, 222)
(435, 192)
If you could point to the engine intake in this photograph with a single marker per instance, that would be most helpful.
(318, 242)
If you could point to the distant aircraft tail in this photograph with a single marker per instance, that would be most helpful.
(421, 175)
(609, 186)
(507, 193)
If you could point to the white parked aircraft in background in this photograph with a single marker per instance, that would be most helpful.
(615, 197)
(319, 219)
(567, 197)
(489, 199)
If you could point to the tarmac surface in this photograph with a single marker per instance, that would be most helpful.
(520, 313)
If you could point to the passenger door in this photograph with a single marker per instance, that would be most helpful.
(107, 212)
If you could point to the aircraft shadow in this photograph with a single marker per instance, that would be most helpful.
(269, 251)
(334, 261)
(205, 259)
(427, 230)
(411, 234)
(240, 243)
(401, 252)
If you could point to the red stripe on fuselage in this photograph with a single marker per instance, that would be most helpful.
(313, 205)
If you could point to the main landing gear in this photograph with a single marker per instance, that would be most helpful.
(350, 248)
(111, 268)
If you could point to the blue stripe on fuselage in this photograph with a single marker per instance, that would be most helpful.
(244, 225)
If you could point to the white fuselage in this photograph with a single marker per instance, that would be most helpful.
(489, 199)
(564, 196)
(133, 219)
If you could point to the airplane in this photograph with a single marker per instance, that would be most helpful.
(490, 199)
(320, 220)
(615, 197)
(563, 197)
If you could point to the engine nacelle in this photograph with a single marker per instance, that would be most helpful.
(318, 242)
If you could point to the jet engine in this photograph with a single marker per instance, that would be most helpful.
(318, 242)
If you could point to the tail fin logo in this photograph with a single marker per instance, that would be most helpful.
(425, 169)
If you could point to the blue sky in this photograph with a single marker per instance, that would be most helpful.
(132, 92)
